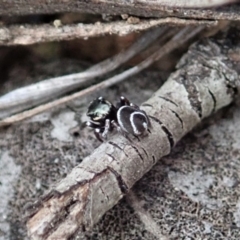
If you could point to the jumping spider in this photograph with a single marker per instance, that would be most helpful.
(126, 117)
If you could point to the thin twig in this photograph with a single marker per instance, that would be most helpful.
(34, 94)
(31, 34)
(184, 35)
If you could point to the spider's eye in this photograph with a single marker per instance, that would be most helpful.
(99, 109)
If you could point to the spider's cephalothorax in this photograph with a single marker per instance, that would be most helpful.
(126, 117)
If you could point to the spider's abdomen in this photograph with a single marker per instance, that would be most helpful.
(132, 120)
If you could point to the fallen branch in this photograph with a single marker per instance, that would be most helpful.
(180, 38)
(206, 80)
(144, 8)
(30, 34)
(23, 98)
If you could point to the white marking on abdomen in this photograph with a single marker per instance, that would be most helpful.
(135, 130)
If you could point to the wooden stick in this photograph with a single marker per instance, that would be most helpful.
(31, 34)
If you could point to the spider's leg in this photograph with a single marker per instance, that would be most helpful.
(116, 125)
(134, 106)
(107, 128)
(98, 134)
(91, 124)
(124, 101)
(97, 129)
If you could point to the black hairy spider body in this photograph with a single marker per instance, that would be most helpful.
(126, 117)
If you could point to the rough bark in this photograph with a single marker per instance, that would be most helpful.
(206, 80)
(137, 8)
